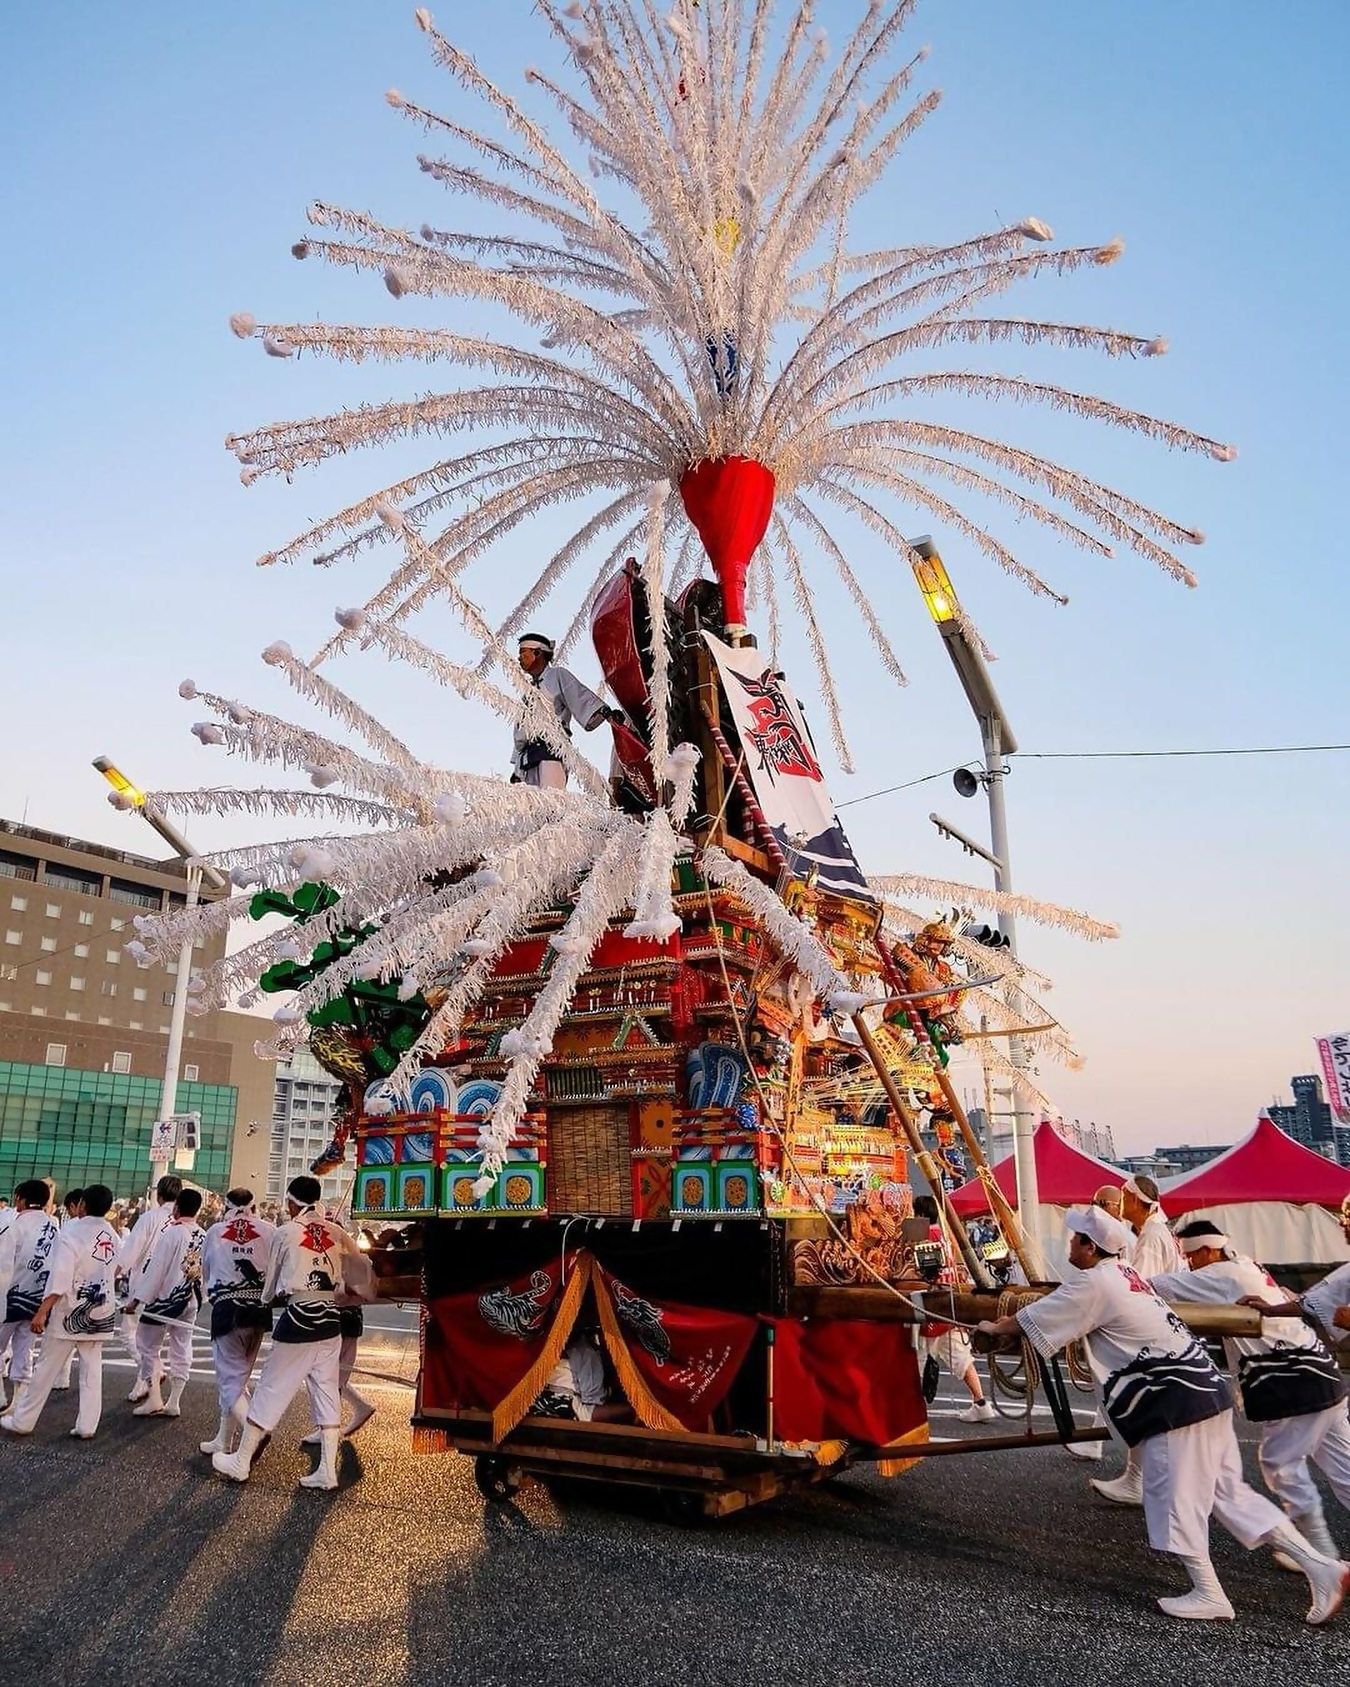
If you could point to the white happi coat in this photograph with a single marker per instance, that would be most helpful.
(31, 1237)
(1285, 1372)
(234, 1267)
(1155, 1248)
(7, 1239)
(168, 1285)
(305, 1269)
(142, 1236)
(1325, 1298)
(1153, 1375)
(83, 1269)
(571, 701)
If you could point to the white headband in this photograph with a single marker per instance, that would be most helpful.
(1193, 1244)
(543, 645)
(1138, 1193)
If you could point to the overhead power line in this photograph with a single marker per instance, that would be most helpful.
(1107, 755)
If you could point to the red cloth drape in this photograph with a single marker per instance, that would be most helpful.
(479, 1346)
(687, 1357)
(845, 1379)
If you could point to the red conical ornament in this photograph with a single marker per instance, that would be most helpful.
(729, 500)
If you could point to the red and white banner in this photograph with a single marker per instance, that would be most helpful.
(1334, 1049)
(781, 765)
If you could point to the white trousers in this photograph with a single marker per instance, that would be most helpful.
(57, 1352)
(1193, 1473)
(347, 1360)
(1286, 1446)
(234, 1356)
(17, 1339)
(951, 1349)
(150, 1339)
(290, 1363)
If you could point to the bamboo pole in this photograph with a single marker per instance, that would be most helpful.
(974, 1264)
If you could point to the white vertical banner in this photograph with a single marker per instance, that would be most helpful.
(1334, 1049)
(781, 765)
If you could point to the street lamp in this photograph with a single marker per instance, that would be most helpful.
(128, 795)
(998, 741)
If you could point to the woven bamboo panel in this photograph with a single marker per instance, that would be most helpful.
(589, 1163)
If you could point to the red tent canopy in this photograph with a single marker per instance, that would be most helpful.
(1065, 1176)
(1266, 1165)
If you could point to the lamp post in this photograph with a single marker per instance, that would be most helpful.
(998, 742)
(133, 797)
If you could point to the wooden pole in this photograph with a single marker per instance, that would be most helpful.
(974, 1264)
(1028, 1256)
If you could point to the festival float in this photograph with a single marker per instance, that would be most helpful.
(652, 1059)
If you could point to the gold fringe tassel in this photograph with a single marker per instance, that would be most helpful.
(430, 1441)
(649, 1409)
(508, 1412)
(898, 1467)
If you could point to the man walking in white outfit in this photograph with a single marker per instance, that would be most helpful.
(25, 1259)
(234, 1264)
(168, 1291)
(136, 1250)
(1290, 1384)
(305, 1271)
(1153, 1249)
(1163, 1395)
(77, 1315)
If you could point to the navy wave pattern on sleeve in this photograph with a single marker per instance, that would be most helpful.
(1289, 1382)
(1158, 1392)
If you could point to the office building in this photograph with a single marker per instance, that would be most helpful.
(1309, 1119)
(304, 1100)
(84, 1029)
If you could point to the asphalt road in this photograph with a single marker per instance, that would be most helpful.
(125, 1560)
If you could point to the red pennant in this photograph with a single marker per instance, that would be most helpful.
(729, 500)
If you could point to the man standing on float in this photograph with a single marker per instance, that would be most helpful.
(533, 760)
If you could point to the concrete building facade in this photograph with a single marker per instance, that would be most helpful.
(84, 1029)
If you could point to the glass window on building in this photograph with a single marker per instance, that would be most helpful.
(121, 1061)
(48, 945)
(18, 903)
(13, 937)
(77, 984)
(86, 918)
(56, 1054)
(81, 951)
(113, 957)
(42, 978)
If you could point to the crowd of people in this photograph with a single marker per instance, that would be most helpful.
(1162, 1395)
(68, 1274)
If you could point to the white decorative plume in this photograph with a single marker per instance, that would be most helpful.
(729, 315)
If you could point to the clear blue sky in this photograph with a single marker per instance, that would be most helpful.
(159, 160)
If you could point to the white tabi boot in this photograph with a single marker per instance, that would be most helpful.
(173, 1407)
(1126, 1489)
(237, 1465)
(324, 1474)
(220, 1441)
(1206, 1602)
(1328, 1578)
(152, 1404)
(362, 1411)
(1312, 1525)
(231, 1427)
